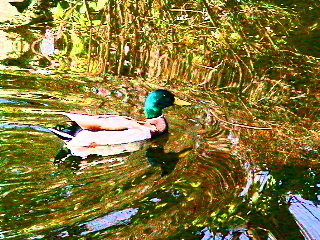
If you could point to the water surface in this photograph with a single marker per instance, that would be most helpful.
(206, 177)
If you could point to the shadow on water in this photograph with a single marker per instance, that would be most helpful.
(154, 153)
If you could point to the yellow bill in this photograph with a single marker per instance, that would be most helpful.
(180, 102)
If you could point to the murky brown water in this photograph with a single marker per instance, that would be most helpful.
(242, 162)
(194, 178)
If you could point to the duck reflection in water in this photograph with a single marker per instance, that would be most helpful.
(157, 157)
(155, 154)
(166, 161)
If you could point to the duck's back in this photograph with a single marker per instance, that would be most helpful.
(99, 138)
(103, 122)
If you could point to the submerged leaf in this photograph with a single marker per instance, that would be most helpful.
(58, 11)
(195, 184)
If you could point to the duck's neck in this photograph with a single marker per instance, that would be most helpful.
(152, 112)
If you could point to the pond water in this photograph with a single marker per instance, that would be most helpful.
(241, 162)
(193, 183)
(47, 190)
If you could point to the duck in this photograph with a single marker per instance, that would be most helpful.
(100, 130)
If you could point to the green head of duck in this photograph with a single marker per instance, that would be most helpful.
(158, 100)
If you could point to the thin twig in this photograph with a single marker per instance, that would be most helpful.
(240, 125)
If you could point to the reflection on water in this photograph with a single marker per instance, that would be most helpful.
(16, 126)
(241, 163)
(91, 184)
(80, 158)
(112, 219)
(167, 161)
(203, 179)
(116, 218)
(306, 214)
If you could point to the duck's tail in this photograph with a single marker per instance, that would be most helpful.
(62, 135)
